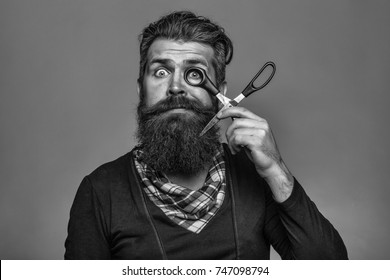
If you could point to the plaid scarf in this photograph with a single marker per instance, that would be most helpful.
(189, 209)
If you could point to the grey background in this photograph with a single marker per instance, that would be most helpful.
(68, 73)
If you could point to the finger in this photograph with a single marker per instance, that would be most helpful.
(246, 123)
(237, 112)
(244, 137)
(239, 141)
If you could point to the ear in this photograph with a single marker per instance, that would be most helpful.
(139, 87)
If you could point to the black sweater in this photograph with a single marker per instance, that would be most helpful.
(111, 218)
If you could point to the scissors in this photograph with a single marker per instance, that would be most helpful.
(197, 77)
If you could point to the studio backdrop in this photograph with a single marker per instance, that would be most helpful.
(68, 72)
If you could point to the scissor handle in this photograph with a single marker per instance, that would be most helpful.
(250, 88)
(203, 80)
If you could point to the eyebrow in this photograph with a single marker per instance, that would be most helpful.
(196, 61)
(159, 61)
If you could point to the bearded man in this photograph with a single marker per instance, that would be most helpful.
(178, 195)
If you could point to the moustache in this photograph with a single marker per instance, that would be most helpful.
(177, 102)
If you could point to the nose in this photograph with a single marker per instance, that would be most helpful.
(176, 85)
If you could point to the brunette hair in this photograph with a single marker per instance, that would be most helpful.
(185, 26)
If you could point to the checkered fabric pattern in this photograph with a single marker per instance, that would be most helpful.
(189, 209)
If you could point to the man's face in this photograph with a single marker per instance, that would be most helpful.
(172, 113)
(164, 72)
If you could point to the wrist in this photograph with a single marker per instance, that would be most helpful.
(276, 170)
(280, 181)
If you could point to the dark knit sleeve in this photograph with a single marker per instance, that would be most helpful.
(297, 230)
(87, 234)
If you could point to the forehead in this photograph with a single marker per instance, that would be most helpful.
(179, 51)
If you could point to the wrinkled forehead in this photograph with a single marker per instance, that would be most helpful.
(179, 51)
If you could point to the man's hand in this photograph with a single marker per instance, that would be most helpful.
(253, 134)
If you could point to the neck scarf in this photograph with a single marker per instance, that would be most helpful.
(189, 209)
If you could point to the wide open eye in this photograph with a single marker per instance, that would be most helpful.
(194, 76)
(160, 73)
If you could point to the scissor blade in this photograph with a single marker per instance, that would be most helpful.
(214, 120)
(209, 125)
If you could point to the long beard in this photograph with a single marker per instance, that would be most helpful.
(170, 140)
